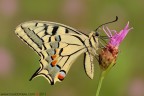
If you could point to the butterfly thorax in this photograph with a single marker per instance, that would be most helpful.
(93, 43)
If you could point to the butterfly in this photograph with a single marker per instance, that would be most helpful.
(58, 46)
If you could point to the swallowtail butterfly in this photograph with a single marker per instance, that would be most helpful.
(58, 46)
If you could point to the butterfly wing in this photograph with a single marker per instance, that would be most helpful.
(88, 64)
(57, 45)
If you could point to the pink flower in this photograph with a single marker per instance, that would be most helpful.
(117, 38)
(109, 53)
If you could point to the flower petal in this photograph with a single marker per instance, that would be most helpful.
(117, 38)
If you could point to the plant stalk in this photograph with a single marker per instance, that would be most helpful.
(103, 74)
(99, 84)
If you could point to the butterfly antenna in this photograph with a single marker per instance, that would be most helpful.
(107, 23)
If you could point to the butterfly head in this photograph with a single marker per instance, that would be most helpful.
(97, 34)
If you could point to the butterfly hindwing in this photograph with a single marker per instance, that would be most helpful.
(57, 65)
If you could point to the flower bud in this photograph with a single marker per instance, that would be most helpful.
(107, 56)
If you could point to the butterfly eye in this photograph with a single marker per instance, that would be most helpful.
(97, 34)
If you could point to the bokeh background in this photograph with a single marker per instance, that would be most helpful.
(18, 62)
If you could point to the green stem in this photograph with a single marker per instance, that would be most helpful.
(99, 84)
(103, 73)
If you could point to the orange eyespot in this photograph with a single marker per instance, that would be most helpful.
(60, 77)
(54, 56)
(54, 63)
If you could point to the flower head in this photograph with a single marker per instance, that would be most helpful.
(108, 54)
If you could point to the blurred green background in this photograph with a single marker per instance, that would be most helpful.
(18, 62)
